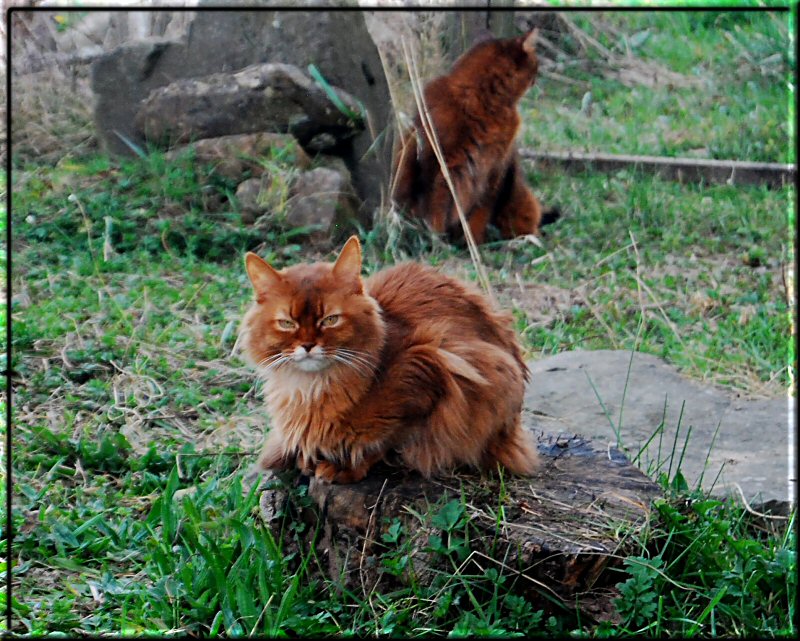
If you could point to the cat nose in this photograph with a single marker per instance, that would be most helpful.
(307, 346)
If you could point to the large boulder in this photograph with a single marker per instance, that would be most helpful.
(267, 97)
(124, 77)
(723, 443)
(336, 42)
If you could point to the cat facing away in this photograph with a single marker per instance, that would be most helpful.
(408, 360)
(473, 110)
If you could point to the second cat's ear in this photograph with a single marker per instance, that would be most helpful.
(262, 275)
(529, 44)
(348, 264)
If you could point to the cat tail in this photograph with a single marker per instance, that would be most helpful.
(515, 450)
(549, 216)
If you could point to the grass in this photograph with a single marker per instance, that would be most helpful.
(702, 265)
(706, 265)
(134, 425)
(731, 99)
(3, 406)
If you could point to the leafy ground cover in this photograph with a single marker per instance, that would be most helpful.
(134, 420)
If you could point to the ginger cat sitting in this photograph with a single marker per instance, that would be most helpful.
(473, 110)
(408, 360)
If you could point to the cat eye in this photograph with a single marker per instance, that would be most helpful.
(285, 323)
(330, 321)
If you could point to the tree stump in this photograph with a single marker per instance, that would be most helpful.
(557, 532)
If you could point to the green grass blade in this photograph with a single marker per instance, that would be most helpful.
(333, 96)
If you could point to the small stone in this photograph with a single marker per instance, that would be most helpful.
(335, 163)
(248, 196)
(322, 199)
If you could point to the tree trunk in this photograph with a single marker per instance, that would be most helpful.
(558, 533)
(465, 28)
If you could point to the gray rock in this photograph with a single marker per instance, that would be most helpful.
(234, 155)
(753, 447)
(263, 97)
(250, 194)
(337, 42)
(322, 198)
(335, 163)
(340, 46)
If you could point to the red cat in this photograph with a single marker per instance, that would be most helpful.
(409, 360)
(473, 110)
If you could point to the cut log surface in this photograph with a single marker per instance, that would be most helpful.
(558, 530)
(732, 172)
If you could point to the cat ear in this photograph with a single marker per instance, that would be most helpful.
(348, 265)
(529, 44)
(262, 275)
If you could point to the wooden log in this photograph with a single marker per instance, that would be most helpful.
(732, 172)
(558, 533)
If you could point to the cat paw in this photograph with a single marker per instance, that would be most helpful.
(305, 464)
(330, 473)
(326, 472)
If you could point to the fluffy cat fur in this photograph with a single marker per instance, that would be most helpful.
(408, 360)
(474, 112)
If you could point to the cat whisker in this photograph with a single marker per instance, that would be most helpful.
(358, 367)
(276, 364)
(363, 357)
(269, 359)
(367, 367)
(272, 363)
(348, 361)
(350, 350)
(355, 352)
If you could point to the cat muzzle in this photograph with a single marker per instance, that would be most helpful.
(310, 360)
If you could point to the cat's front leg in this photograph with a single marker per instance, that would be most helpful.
(478, 219)
(441, 207)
